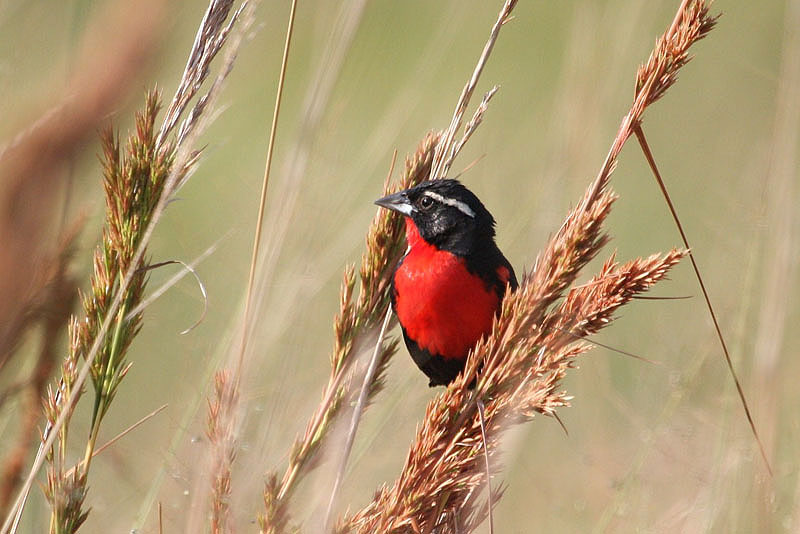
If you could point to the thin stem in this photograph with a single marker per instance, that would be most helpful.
(122, 434)
(356, 418)
(637, 128)
(490, 504)
(101, 398)
(264, 184)
(289, 478)
(677, 20)
(447, 150)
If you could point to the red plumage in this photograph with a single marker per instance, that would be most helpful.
(442, 306)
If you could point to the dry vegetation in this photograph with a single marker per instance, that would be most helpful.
(518, 370)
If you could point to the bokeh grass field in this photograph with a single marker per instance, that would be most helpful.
(651, 448)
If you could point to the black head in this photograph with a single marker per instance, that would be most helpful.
(447, 215)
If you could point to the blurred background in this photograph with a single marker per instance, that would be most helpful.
(651, 448)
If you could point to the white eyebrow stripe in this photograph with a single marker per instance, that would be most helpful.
(460, 206)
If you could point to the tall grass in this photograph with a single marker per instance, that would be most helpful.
(528, 363)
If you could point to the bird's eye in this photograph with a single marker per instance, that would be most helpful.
(425, 203)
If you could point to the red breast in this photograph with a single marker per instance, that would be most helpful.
(443, 307)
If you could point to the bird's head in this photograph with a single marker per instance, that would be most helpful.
(445, 214)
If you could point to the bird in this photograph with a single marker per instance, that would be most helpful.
(449, 285)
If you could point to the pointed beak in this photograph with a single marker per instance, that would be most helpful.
(397, 202)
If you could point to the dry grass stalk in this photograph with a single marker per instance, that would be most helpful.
(718, 329)
(215, 32)
(223, 444)
(524, 361)
(133, 183)
(367, 383)
(223, 411)
(533, 342)
(264, 185)
(355, 327)
(33, 162)
(138, 187)
(211, 37)
(691, 23)
(448, 148)
(357, 323)
(660, 73)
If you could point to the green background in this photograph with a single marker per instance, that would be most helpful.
(651, 448)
